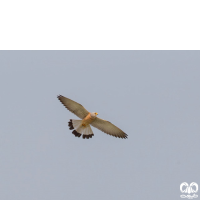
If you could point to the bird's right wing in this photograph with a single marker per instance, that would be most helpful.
(74, 107)
(108, 127)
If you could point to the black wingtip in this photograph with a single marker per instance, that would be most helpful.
(126, 136)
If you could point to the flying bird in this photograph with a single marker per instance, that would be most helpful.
(82, 127)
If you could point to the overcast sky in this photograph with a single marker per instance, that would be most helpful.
(153, 96)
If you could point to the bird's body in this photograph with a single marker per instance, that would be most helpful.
(82, 127)
(88, 119)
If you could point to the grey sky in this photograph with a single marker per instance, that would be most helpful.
(153, 96)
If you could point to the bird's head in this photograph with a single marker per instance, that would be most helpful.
(94, 114)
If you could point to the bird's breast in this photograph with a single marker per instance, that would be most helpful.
(88, 119)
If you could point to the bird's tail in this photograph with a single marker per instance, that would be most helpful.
(80, 129)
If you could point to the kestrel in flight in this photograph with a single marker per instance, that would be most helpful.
(82, 127)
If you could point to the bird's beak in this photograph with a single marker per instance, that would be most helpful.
(96, 113)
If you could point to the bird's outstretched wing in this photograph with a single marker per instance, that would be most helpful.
(73, 106)
(108, 127)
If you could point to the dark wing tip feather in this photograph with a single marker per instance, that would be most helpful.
(125, 136)
(59, 96)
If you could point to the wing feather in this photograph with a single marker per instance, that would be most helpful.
(108, 127)
(74, 107)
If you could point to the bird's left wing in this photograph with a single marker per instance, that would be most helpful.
(74, 107)
(108, 127)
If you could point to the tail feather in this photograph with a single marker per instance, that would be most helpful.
(70, 125)
(79, 129)
(76, 133)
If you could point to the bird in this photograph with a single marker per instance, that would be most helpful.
(82, 127)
